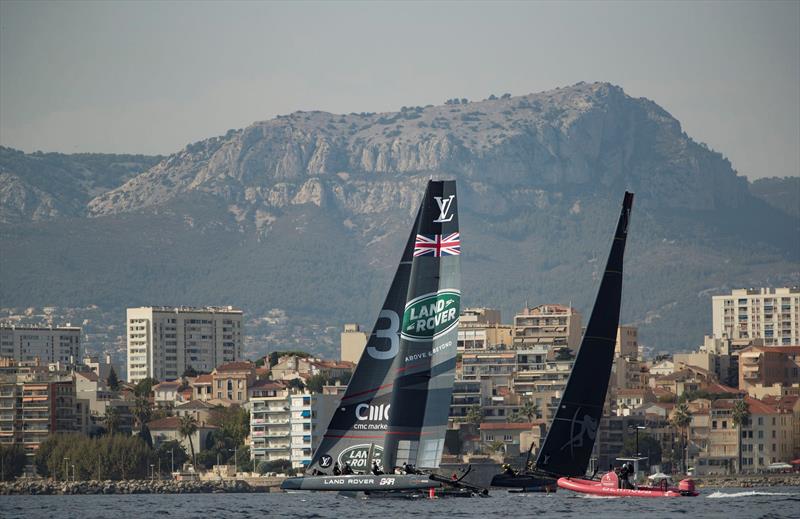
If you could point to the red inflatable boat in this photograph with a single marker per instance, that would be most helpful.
(609, 486)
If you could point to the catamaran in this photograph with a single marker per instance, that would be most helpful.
(564, 456)
(387, 435)
(568, 445)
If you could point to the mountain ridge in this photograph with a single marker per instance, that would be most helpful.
(307, 213)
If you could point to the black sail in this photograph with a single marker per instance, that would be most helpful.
(359, 428)
(568, 446)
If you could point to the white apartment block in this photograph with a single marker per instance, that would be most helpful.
(772, 314)
(48, 344)
(287, 426)
(310, 416)
(164, 341)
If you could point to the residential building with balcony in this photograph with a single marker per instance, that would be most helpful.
(164, 341)
(553, 326)
(769, 313)
(481, 329)
(769, 370)
(270, 422)
(35, 404)
(48, 344)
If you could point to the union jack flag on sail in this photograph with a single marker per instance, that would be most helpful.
(437, 245)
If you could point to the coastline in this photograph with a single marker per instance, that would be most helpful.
(47, 487)
(748, 481)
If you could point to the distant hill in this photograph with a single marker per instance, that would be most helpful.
(781, 193)
(43, 186)
(308, 212)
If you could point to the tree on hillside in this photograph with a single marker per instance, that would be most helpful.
(741, 417)
(296, 383)
(112, 381)
(144, 387)
(233, 423)
(273, 359)
(189, 371)
(187, 428)
(315, 383)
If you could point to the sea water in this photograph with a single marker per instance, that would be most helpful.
(729, 503)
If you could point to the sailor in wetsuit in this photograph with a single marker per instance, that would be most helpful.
(346, 469)
(336, 470)
(376, 471)
(508, 471)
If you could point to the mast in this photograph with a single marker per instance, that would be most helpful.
(358, 430)
(570, 439)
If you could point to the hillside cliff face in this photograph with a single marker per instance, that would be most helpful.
(585, 137)
(44, 186)
(305, 215)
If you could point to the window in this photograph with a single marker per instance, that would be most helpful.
(508, 438)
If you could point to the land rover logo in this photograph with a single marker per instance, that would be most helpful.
(431, 315)
(357, 456)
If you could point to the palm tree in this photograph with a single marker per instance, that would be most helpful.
(112, 419)
(142, 411)
(681, 419)
(475, 415)
(529, 410)
(741, 417)
(187, 428)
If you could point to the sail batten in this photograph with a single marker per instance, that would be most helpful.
(569, 442)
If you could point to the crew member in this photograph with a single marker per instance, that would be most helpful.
(507, 470)
(376, 470)
(336, 470)
(624, 472)
(347, 469)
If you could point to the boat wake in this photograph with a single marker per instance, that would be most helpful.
(594, 496)
(750, 493)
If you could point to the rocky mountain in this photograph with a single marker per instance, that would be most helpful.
(43, 186)
(780, 193)
(307, 213)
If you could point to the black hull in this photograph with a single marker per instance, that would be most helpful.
(525, 482)
(362, 483)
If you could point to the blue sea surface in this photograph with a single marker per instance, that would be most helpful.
(729, 503)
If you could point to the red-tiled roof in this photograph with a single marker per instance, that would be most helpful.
(758, 407)
(791, 350)
(713, 387)
(236, 366)
(167, 386)
(88, 375)
(195, 404)
(202, 379)
(268, 384)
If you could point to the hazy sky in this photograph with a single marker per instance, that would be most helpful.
(146, 77)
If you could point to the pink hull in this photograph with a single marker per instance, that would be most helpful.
(597, 488)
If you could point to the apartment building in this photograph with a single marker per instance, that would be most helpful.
(554, 326)
(769, 313)
(47, 344)
(481, 329)
(270, 422)
(164, 341)
(35, 403)
(310, 416)
(352, 342)
(765, 369)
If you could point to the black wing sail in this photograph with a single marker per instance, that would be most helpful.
(358, 429)
(570, 439)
